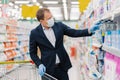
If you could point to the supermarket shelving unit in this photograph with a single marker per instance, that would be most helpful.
(14, 43)
(87, 21)
(112, 50)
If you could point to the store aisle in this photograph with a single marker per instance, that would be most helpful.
(74, 72)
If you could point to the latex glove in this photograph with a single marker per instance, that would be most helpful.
(94, 28)
(99, 22)
(42, 69)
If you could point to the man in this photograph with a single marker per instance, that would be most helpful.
(48, 36)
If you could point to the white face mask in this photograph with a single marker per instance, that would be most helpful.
(50, 22)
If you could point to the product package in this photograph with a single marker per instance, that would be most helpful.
(110, 71)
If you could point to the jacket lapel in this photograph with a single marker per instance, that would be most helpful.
(55, 32)
(44, 36)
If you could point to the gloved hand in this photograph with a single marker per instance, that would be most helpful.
(95, 27)
(42, 69)
(99, 22)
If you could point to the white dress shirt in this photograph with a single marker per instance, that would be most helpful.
(51, 37)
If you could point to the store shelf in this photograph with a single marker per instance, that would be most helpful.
(112, 50)
(2, 32)
(10, 49)
(5, 58)
(9, 41)
(13, 40)
(97, 45)
(23, 46)
(14, 33)
(18, 55)
(109, 15)
(7, 49)
(112, 14)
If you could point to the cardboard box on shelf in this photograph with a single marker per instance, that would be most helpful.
(10, 54)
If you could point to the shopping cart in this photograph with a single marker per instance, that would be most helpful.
(21, 70)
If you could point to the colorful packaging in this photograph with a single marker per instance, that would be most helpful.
(117, 60)
(113, 39)
(118, 39)
(109, 38)
(109, 70)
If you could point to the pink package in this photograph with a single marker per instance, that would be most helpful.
(116, 60)
(118, 70)
(118, 67)
(110, 71)
(109, 56)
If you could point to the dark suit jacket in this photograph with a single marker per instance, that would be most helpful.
(48, 52)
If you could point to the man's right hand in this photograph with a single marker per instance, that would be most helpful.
(42, 69)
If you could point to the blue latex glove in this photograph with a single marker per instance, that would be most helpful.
(42, 69)
(95, 27)
(99, 22)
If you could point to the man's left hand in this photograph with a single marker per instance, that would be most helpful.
(95, 27)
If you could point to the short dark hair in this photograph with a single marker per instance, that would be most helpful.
(40, 13)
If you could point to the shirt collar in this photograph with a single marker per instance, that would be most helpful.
(44, 27)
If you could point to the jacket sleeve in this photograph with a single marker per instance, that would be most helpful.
(75, 33)
(33, 50)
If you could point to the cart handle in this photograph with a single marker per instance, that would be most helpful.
(50, 76)
(17, 62)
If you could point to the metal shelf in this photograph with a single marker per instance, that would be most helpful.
(13, 40)
(112, 14)
(112, 50)
(8, 49)
(23, 46)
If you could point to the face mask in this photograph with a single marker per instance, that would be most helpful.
(50, 22)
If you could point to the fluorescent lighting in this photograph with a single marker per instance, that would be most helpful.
(16, 7)
(54, 8)
(34, 0)
(74, 6)
(74, 2)
(64, 1)
(11, 4)
(38, 4)
(22, 2)
(65, 10)
(50, 2)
